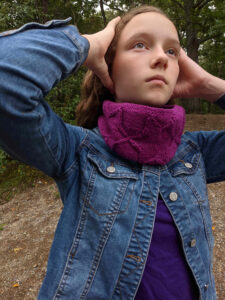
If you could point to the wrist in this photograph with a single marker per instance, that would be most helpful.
(87, 37)
(214, 88)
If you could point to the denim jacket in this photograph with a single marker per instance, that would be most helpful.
(104, 232)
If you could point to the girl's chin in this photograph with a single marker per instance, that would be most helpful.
(148, 102)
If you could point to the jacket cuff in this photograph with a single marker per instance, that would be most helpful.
(79, 41)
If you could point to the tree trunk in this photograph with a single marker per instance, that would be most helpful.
(194, 104)
(45, 6)
(103, 12)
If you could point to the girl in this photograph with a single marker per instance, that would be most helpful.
(136, 221)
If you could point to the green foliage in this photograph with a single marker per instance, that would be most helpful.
(4, 160)
(14, 13)
(18, 177)
(65, 97)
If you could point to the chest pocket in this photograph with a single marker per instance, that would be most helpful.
(107, 186)
(190, 176)
(187, 164)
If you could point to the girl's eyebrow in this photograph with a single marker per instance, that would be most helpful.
(174, 41)
(138, 35)
(146, 35)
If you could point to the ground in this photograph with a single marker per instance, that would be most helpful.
(29, 220)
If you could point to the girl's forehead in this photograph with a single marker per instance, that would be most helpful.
(149, 22)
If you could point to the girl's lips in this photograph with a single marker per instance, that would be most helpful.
(157, 79)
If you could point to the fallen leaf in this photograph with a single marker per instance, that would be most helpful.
(17, 249)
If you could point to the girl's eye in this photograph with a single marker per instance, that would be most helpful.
(139, 46)
(172, 52)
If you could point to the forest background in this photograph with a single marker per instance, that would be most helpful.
(201, 29)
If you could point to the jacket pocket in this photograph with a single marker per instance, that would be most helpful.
(189, 175)
(107, 186)
(187, 164)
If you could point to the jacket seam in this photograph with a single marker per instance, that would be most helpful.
(66, 173)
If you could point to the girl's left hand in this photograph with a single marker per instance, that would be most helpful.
(99, 43)
(194, 81)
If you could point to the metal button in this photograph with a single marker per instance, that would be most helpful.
(188, 165)
(111, 169)
(193, 243)
(206, 286)
(173, 196)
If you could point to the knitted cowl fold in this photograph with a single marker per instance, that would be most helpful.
(145, 134)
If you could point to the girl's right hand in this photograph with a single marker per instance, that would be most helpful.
(194, 81)
(99, 43)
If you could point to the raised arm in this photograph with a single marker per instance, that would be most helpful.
(194, 81)
(32, 60)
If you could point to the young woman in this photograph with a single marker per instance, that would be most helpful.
(136, 221)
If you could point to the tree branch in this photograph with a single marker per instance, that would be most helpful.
(201, 3)
(178, 3)
(213, 36)
(103, 13)
(113, 7)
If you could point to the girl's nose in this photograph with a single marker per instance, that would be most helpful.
(159, 59)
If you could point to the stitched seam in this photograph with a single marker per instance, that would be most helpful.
(121, 201)
(45, 141)
(98, 254)
(115, 160)
(134, 235)
(73, 164)
(192, 188)
(76, 239)
(195, 192)
(197, 278)
(117, 288)
(71, 255)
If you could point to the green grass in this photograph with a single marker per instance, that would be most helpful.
(17, 178)
(2, 227)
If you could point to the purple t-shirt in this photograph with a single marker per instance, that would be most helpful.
(167, 274)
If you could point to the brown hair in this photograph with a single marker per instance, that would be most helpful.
(93, 92)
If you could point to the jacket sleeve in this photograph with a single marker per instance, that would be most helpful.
(33, 59)
(212, 146)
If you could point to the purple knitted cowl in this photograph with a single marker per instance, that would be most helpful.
(148, 135)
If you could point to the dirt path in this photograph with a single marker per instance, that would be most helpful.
(30, 219)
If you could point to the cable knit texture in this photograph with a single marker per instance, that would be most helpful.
(148, 135)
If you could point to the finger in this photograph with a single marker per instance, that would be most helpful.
(103, 75)
(107, 82)
(183, 52)
(113, 22)
(108, 32)
(182, 58)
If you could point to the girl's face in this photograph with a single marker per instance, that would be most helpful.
(145, 68)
